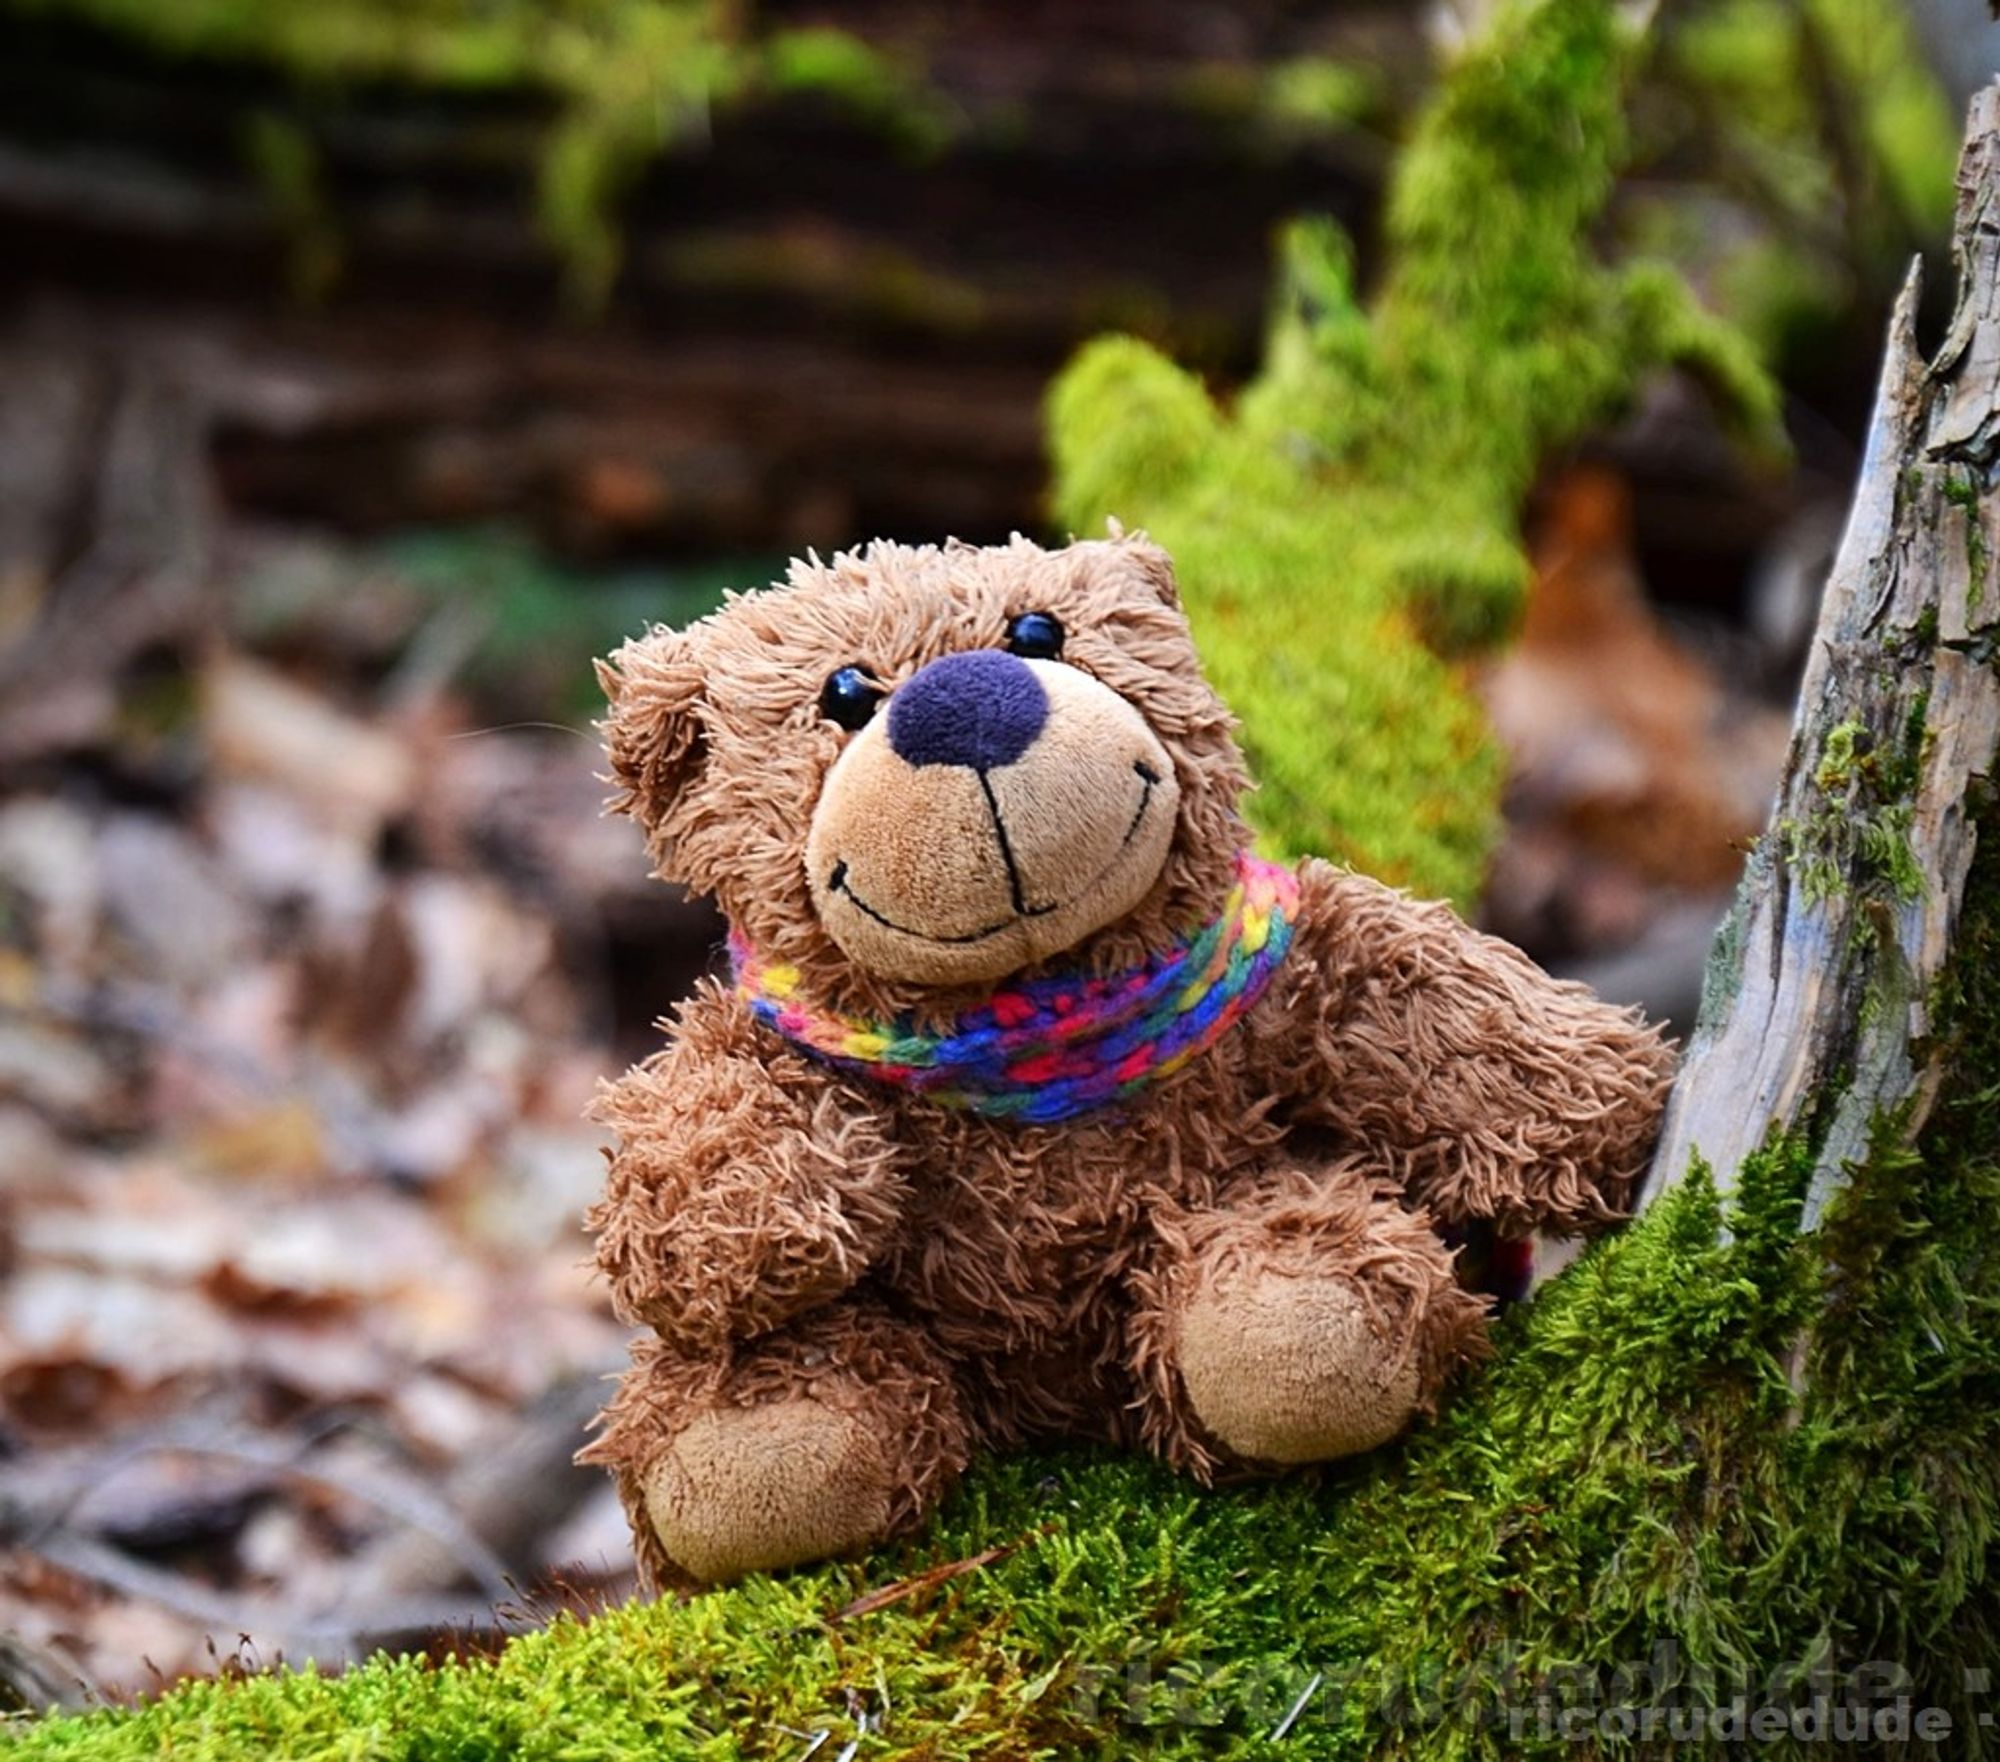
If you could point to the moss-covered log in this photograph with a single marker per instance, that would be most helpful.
(1821, 995)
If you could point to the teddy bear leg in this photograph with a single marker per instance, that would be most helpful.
(823, 1438)
(1310, 1316)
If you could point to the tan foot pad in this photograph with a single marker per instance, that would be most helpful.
(749, 1489)
(1288, 1370)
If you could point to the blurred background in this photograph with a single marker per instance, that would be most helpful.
(367, 367)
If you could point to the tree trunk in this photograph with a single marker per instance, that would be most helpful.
(1816, 1013)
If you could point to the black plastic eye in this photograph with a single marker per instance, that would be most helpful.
(849, 698)
(1035, 636)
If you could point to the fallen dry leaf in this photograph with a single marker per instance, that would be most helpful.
(261, 725)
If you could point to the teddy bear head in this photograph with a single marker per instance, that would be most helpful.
(912, 772)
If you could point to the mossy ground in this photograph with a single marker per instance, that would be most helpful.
(1634, 1486)
(1706, 1463)
(1716, 1459)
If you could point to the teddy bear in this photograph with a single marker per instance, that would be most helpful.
(1035, 1103)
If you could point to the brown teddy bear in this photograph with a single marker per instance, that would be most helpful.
(1038, 1105)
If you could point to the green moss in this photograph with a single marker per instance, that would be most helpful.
(1722, 970)
(287, 162)
(864, 81)
(1855, 836)
(1347, 534)
(876, 281)
(1316, 94)
(1281, 105)
(633, 80)
(1961, 489)
(1851, 841)
(1769, 64)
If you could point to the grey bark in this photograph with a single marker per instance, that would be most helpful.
(1822, 980)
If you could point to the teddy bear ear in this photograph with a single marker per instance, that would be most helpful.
(1152, 565)
(654, 733)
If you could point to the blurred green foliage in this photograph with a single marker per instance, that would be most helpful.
(1819, 129)
(288, 166)
(1347, 533)
(622, 80)
(531, 625)
(1316, 93)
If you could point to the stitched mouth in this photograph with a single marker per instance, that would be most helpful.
(1149, 780)
(837, 883)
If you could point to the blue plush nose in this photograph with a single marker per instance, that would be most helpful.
(982, 709)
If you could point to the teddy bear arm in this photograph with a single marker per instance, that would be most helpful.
(745, 1189)
(1494, 1090)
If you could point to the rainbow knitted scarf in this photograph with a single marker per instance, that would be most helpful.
(1052, 1048)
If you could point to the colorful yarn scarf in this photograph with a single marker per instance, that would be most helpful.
(1052, 1048)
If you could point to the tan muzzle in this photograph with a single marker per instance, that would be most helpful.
(1000, 811)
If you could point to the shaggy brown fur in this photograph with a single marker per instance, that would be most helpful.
(851, 1288)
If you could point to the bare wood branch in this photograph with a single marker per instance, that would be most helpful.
(1820, 986)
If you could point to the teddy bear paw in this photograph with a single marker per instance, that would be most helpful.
(1288, 1369)
(751, 1489)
